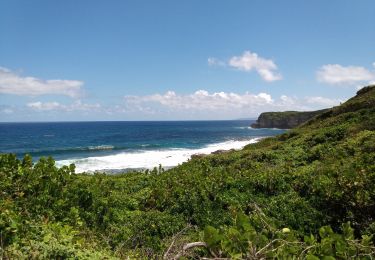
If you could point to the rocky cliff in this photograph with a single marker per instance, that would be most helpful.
(285, 120)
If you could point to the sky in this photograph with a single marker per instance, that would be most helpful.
(180, 60)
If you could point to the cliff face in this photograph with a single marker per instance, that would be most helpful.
(285, 120)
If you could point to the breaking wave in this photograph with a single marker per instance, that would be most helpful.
(148, 159)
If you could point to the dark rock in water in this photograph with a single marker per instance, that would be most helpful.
(223, 151)
(285, 120)
(198, 156)
(219, 151)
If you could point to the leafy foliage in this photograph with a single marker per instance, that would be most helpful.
(250, 238)
(293, 195)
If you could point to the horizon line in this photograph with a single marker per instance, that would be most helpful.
(98, 121)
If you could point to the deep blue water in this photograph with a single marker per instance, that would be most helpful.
(79, 140)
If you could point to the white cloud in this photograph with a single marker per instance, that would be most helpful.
(336, 74)
(287, 101)
(12, 83)
(219, 105)
(215, 62)
(79, 106)
(322, 101)
(7, 111)
(202, 100)
(44, 106)
(250, 61)
(76, 106)
(200, 104)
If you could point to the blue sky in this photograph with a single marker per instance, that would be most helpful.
(171, 60)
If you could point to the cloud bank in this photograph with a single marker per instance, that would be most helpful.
(202, 100)
(223, 105)
(12, 83)
(50, 106)
(199, 105)
(335, 74)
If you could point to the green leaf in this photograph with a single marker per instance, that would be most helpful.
(47, 237)
(243, 222)
(310, 240)
(325, 231)
(211, 236)
(328, 258)
(348, 231)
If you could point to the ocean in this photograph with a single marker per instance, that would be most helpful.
(116, 146)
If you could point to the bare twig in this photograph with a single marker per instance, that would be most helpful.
(306, 249)
(194, 244)
(215, 258)
(266, 246)
(356, 243)
(262, 215)
(276, 240)
(189, 246)
(165, 256)
(369, 255)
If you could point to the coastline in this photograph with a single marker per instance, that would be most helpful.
(143, 160)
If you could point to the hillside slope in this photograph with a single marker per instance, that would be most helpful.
(308, 193)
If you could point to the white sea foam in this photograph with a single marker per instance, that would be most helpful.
(101, 147)
(148, 159)
(243, 127)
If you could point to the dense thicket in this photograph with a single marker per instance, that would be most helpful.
(307, 193)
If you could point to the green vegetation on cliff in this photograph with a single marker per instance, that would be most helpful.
(286, 119)
(308, 193)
